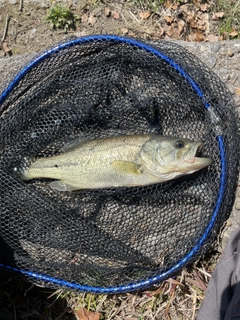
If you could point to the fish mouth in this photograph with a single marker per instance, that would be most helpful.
(196, 162)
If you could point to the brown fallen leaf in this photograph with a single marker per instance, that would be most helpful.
(199, 23)
(6, 48)
(200, 20)
(217, 15)
(197, 283)
(212, 38)
(184, 8)
(191, 17)
(181, 25)
(160, 31)
(199, 36)
(197, 4)
(172, 31)
(173, 281)
(201, 284)
(115, 14)
(144, 14)
(168, 3)
(124, 30)
(107, 12)
(196, 36)
(84, 18)
(84, 314)
(204, 7)
(155, 292)
(92, 20)
(168, 19)
(132, 34)
(233, 33)
(237, 91)
(175, 6)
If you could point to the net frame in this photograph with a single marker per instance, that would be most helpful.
(220, 140)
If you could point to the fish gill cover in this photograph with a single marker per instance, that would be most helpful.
(112, 239)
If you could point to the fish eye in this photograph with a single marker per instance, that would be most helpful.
(179, 144)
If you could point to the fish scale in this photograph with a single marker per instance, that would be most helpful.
(119, 161)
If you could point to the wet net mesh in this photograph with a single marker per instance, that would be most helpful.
(112, 239)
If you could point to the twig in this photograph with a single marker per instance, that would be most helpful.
(16, 21)
(194, 301)
(6, 28)
(21, 5)
(30, 288)
(14, 310)
(204, 272)
(134, 16)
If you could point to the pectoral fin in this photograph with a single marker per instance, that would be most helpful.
(126, 167)
(62, 186)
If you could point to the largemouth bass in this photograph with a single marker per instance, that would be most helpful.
(136, 160)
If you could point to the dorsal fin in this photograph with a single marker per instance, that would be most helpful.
(72, 144)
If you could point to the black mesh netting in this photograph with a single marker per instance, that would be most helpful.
(115, 237)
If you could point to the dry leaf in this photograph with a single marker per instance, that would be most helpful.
(197, 4)
(181, 25)
(6, 48)
(217, 15)
(234, 33)
(115, 15)
(204, 7)
(144, 14)
(168, 19)
(92, 20)
(201, 284)
(197, 283)
(155, 292)
(84, 314)
(84, 18)
(124, 30)
(237, 91)
(172, 31)
(132, 34)
(168, 3)
(184, 8)
(175, 6)
(191, 17)
(201, 21)
(199, 36)
(107, 12)
(196, 36)
(173, 281)
(160, 31)
(212, 38)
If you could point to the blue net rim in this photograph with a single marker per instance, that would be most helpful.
(181, 263)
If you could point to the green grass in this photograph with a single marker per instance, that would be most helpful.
(231, 19)
(61, 17)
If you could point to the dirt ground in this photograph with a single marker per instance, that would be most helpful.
(23, 25)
